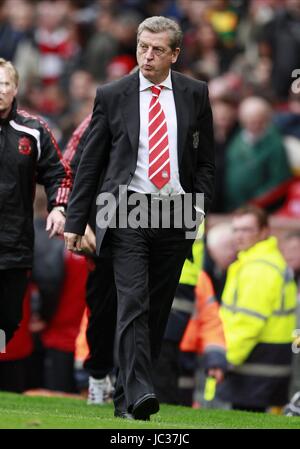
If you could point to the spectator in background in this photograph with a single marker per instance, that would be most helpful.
(206, 55)
(258, 314)
(225, 127)
(229, 85)
(280, 42)
(54, 50)
(203, 336)
(81, 92)
(224, 19)
(16, 26)
(102, 46)
(288, 123)
(81, 88)
(119, 67)
(125, 32)
(257, 168)
(220, 253)
(290, 246)
(291, 206)
(53, 103)
(56, 40)
(115, 36)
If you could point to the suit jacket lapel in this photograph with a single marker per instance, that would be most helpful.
(182, 113)
(131, 110)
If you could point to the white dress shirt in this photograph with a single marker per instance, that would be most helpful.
(140, 181)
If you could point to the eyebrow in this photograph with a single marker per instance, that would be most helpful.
(154, 46)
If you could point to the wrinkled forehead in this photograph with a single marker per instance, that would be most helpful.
(247, 220)
(155, 39)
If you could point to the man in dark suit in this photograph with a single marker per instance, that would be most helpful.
(152, 133)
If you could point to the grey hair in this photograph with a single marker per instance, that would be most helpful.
(11, 68)
(217, 234)
(159, 24)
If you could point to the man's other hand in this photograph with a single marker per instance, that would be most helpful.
(88, 241)
(55, 223)
(217, 373)
(73, 242)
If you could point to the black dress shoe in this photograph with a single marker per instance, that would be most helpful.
(145, 406)
(123, 414)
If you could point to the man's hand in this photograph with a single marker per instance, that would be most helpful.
(73, 242)
(55, 223)
(217, 373)
(88, 241)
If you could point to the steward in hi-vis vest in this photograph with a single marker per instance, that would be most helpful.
(258, 314)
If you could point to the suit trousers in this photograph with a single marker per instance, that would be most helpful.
(147, 266)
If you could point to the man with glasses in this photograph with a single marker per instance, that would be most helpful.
(152, 133)
(258, 313)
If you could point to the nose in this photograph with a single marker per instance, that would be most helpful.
(149, 53)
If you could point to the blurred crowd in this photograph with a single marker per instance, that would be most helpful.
(247, 51)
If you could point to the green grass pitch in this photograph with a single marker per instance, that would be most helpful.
(25, 412)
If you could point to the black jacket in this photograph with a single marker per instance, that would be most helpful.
(112, 144)
(28, 154)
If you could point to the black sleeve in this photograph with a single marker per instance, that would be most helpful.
(52, 170)
(204, 180)
(96, 148)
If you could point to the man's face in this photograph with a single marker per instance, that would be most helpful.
(225, 253)
(8, 90)
(247, 232)
(291, 252)
(155, 56)
(256, 125)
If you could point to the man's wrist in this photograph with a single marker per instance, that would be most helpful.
(61, 209)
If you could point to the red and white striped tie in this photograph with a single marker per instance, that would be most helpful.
(159, 157)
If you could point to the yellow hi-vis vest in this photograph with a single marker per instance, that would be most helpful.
(191, 268)
(258, 301)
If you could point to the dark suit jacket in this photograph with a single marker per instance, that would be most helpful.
(112, 144)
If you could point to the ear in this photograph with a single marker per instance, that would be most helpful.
(175, 55)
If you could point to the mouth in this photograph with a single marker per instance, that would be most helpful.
(147, 67)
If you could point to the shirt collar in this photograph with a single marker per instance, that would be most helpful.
(145, 84)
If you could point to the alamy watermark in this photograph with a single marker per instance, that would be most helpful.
(138, 210)
(295, 87)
